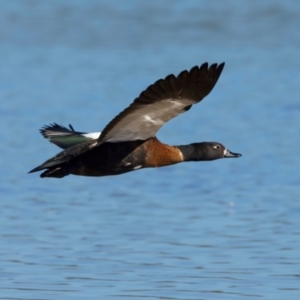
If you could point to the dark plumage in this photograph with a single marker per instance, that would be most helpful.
(128, 142)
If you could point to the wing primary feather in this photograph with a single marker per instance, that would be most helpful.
(192, 82)
(156, 88)
(184, 82)
(160, 102)
(61, 136)
(71, 127)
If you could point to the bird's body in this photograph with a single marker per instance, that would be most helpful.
(129, 141)
(122, 157)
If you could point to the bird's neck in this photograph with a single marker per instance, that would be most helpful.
(192, 152)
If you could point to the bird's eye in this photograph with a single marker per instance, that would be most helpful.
(218, 147)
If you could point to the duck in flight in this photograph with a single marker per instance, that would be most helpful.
(128, 142)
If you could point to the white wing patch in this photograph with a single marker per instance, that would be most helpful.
(153, 121)
(137, 167)
(92, 145)
(92, 135)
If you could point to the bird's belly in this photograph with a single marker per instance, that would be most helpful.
(111, 159)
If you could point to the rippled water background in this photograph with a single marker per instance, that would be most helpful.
(228, 229)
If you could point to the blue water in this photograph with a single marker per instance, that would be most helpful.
(228, 229)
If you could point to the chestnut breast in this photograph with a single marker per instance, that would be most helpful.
(159, 154)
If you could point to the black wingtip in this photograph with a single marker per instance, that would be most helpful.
(34, 170)
(216, 66)
(45, 128)
(54, 127)
(221, 66)
(71, 127)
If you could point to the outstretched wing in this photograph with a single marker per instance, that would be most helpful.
(160, 102)
(64, 137)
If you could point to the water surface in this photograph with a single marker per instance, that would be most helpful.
(226, 229)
